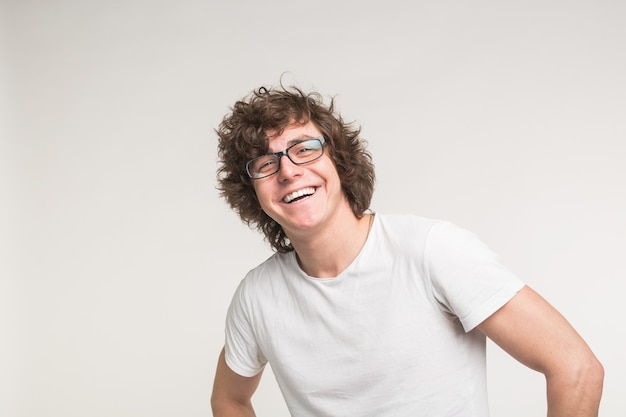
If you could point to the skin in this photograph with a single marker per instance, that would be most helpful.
(537, 335)
(327, 237)
(322, 228)
(324, 231)
(527, 327)
(232, 392)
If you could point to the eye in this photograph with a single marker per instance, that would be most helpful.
(307, 147)
(304, 149)
(264, 164)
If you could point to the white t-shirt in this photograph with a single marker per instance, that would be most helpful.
(392, 335)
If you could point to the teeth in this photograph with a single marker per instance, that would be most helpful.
(300, 193)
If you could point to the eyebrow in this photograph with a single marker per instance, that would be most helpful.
(300, 139)
(295, 140)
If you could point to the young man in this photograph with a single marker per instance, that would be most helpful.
(364, 314)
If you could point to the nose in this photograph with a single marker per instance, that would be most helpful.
(288, 169)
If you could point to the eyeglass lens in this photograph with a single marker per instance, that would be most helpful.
(299, 153)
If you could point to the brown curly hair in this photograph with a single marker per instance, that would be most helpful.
(243, 136)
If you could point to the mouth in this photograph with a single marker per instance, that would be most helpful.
(299, 195)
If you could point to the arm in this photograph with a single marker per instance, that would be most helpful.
(537, 335)
(232, 392)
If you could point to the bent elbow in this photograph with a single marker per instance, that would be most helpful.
(596, 373)
(581, 374)
(588, 376)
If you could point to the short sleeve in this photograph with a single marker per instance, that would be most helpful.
(242, 351)
(467, 278)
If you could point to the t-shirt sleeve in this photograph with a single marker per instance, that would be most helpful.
(467, 279)
(242, 351)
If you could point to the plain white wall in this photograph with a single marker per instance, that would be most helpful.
(119, 258)
(10, 213)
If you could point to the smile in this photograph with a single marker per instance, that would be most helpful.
(297, 195)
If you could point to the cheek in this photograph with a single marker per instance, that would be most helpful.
(261, 195)
(334, 173)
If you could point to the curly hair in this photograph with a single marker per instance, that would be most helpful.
(243, 136)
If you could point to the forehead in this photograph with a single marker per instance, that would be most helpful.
(294, 132)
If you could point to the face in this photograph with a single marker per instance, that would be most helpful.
(301, 198)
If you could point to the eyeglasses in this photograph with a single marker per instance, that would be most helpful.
(299, 153)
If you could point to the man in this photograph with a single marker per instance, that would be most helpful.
(361, 313)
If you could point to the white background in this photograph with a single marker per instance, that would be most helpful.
(118, 258)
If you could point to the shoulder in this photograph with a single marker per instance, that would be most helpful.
(411, 229)
(405, 220)
(447, 240)
(406, 229)
(267, 276)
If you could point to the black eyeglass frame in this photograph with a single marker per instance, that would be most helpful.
(284, 152)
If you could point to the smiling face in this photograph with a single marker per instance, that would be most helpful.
(301, 198)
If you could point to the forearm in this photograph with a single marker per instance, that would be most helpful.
(232, 393)
(575, 395)
(231, 409)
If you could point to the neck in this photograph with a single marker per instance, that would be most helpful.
(328, 252)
